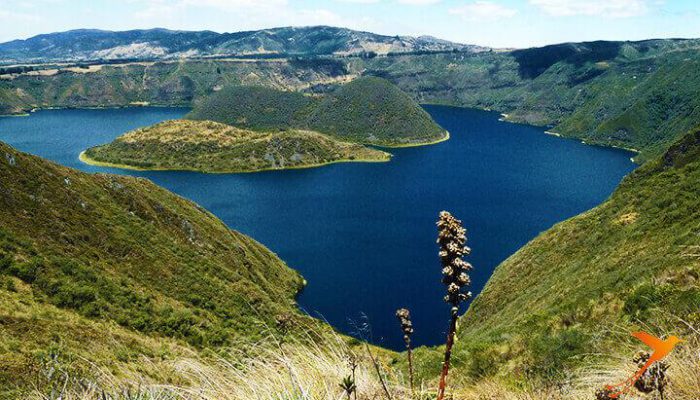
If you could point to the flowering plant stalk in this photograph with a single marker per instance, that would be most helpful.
(404, 317)
(452, 239)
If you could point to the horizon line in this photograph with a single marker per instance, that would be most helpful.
(338, 27)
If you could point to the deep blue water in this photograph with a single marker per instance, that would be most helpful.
(363, 235)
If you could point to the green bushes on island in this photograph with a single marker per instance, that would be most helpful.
(366, 110)
(214, 147)
(255, 107)
(250, 128)
(375, 111)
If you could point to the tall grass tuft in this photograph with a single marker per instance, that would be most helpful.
(311, 366)
(404, 317)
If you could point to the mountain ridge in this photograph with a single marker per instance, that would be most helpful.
(161, 43)
(635, 95)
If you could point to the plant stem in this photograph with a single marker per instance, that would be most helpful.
(410, 367)
(379, 372)
(353, 379)
(448, 355)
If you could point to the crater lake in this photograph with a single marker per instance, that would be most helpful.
(363, 235)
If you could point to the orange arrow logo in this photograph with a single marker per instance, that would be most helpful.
(661, 349)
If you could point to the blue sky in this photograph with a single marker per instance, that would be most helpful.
(498, 23)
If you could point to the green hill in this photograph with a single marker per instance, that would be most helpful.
(632, 263)
(255, 107)
(366, 110)
(119, 261)
(214, 147)
(373, 110)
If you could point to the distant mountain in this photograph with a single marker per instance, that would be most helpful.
(92, 44)
(638, 95)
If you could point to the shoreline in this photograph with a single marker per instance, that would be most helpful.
(130, 105)
(408, 145)
(612, 146)
(89, 161)
(504, 117)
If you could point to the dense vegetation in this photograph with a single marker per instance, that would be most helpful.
(255, 107)
(372, 110)
(90, 259)
(366, 110)
(214, 147)
(630, 264)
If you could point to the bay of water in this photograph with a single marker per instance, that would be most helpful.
(363, 235)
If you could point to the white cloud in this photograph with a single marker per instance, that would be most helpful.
(407, 2)
(154, 8)
(6, 15)
(318, 17)
(235, 5)
(236, 15)
(483, 10)
(602, 8)
(359, 1)
(418, 2)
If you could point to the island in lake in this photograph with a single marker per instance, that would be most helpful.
(209, 146)
(249, 128)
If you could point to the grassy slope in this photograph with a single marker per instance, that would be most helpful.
(126, 252)
(366, 110)
(36, 336)
(630, 261)
(214, 147)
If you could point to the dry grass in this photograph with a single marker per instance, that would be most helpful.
(305, 368)
(312, 369)
(684, 377)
